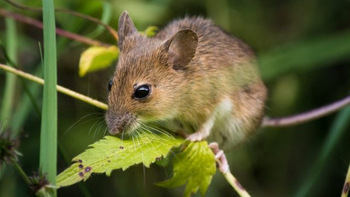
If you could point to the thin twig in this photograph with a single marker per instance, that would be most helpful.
(235, 184)
(306, 116)
(224, 168)
(61, 89)
(59, 31)
(95, 20)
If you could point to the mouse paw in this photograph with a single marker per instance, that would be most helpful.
(220, 157)
(195, 137)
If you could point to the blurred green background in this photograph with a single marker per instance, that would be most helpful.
(303, 48)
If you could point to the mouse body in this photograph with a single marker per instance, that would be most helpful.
(192, 76)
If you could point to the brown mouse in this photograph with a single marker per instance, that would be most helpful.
(191, 76)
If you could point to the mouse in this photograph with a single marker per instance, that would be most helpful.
(192, 77)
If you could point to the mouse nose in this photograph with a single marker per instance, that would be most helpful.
(118, 123)
(118, 128)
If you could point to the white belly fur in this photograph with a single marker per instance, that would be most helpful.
(222, 126)
(227, 129)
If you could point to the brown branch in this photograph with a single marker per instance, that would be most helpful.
(59, 31)
(95, 20)
(306, 116)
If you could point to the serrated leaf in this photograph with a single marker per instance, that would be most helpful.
(195, 166)
(112, 153)
(97, 58)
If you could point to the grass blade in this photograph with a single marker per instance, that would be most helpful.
(48, 138)
(339, 127)
(10, 84)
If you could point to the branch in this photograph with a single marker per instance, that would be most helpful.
(95, 20)
(61, 89)
(59, 31)
(306, 116)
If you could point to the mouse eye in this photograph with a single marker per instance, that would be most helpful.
(110, 83)
(142, 91)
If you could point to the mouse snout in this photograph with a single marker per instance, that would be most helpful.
(119, 123)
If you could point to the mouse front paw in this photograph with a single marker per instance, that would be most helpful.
(195, 137)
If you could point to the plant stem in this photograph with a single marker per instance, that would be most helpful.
(235, 184)
(59, 88)
(306, 116)
(22, 173)
(59, 31)
(346, 187)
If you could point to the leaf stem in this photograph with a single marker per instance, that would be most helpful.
(306, 116)
(235, 184)
(59, 31)
(59, 88)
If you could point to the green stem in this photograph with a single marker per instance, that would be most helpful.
(61, 89)
(235, 184)
(22, 173)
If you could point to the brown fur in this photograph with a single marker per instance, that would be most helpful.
(185, 88)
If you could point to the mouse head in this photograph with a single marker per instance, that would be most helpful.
(150, 78)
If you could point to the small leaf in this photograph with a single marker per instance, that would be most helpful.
(97, 58)
(112, 153)
(150, 31)
(194, 166)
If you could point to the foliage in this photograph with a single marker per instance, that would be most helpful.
(195, 167)
(304, 57)
(112, 153)
(96, 58)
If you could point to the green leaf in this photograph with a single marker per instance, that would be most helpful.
(194, 166)
(150, 31)
(112, 153)
(97, 58)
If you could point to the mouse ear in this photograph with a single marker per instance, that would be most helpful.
(181, 48)
(125, 28)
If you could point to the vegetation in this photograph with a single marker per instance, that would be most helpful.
(303, 49)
